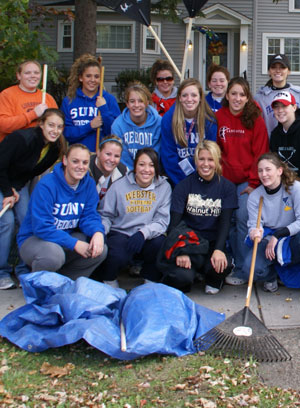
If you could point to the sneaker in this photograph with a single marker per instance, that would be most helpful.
(209, 290)
(112, 283)
(234, 280)
(7, 283)
(271, 286)
(135, 270)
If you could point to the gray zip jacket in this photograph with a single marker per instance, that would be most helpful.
(265, 96)
(129, 208)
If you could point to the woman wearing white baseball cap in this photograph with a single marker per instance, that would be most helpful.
(285, 138)
(278, 69)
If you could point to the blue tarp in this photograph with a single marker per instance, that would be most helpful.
(60, 311)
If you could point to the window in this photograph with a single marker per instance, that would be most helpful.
(294, 5)
(65, 36)
(150, 45)
(112, 37)
(288, 44)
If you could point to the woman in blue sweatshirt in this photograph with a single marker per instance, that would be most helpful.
(139, 124)
(62, 230)
(83, 104)
(187, 122)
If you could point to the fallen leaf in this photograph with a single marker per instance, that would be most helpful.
(128, 366)
(288, 299)
(3, 369)
(207, 404)
(144, 385)
(10, 307)
(179, 387)
(286, 316)
(143, 402)
(56, 371)
(206, 368)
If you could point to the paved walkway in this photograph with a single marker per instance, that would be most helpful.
(279, 310)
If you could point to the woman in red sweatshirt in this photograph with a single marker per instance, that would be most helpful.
(242, 136)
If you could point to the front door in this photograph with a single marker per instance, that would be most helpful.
(217, 50)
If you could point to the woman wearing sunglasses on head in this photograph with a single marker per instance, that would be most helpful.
(162, 77)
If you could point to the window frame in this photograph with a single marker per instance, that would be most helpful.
(157, 50)
(60, 36)
(292, 8)
(119, 50)
(281, 36)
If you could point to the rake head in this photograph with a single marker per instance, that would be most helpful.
(259, 343)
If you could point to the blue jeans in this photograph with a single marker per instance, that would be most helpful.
(264, 268)
(238, 230)
(7, 232)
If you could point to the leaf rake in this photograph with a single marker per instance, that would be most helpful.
(243, 335)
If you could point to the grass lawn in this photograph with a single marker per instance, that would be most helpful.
(81, 376)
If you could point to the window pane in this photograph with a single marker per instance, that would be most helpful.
(114, 36)
(274, 46)
(150, 44)
(150, 40)
(297, 4)
(67, 29)
(67, 42)
(292, 51)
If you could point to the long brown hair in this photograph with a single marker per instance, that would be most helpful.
(61, 140)
(288, 176)
(203, 112)
(79, 66)
(251, 110)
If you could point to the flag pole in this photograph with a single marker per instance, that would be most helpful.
(187, 42)
(153, 32)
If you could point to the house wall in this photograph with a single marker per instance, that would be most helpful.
(274, 18)
(270, 18)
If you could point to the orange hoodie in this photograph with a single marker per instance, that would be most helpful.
(17, 109)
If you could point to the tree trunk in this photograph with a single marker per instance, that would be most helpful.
(85, 33)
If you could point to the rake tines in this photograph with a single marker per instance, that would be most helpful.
(243, 334)
(260, 345)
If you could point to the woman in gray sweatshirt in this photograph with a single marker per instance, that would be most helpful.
(136, 214)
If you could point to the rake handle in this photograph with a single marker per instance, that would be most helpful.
(3, 211)
(253, 259)
(100, 94)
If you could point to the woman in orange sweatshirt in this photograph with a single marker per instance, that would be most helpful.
(21, 105)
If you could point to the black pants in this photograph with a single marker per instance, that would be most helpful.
(184, 278)
(118, 257)
(212, 278)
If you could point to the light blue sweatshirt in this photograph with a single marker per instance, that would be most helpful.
(136, 137)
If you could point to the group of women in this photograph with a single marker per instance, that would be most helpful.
(207, 147)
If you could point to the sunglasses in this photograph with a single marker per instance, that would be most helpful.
(162, 79)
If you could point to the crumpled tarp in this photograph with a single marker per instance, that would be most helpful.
(60, 311)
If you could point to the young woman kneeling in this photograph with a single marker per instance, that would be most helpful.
(136, 215)
(280, 219)
(62, 230)
(204, 201)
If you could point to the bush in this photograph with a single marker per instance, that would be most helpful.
(130, 75)
(57, 86)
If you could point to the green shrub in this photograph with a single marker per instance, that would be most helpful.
(130, 75)
(57, 86)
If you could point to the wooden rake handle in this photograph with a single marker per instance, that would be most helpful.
(3, 211)
(100, 94)
(254, 252)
